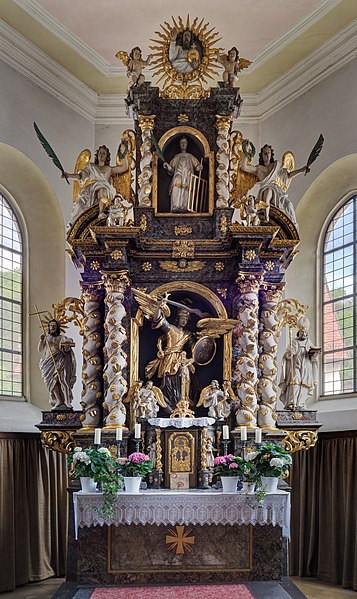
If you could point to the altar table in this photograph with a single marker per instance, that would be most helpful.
(181, 536)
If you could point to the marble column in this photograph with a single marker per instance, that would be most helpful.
(268, 364)
(146, 124)
(223, 125)
(245, 350)
(116, 359)
(92, 368)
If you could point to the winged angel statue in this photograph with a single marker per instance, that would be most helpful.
(98, 183)
(170, 364)
(272, 176)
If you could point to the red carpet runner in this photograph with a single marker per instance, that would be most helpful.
(216, 591)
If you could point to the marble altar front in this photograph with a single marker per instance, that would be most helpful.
(195, 536)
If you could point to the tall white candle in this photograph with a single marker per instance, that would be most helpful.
(225, 432)
(258, 435)
(97, 436)
(137, 431)
(243, 433)
(119, 434)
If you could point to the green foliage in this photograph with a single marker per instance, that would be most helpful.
(110, 483)
(271, 460)
(95, 463)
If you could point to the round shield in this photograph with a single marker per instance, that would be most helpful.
(204, 351)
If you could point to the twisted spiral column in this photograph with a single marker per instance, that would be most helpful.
(116, 358)
(146, 124)
(246, 352)
(92, 368)
(268, 364)
(223, 125)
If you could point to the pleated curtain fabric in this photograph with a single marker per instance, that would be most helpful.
(324, 510)
(33, 511)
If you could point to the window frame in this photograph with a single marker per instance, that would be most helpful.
(351, 196)
(13, 207)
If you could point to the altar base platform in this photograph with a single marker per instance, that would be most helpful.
(166, 537)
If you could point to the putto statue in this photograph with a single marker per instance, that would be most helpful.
(300, 369)
(146, 400)
(217, 401)
(57, 366)
(135, 65)
(181, 168)
(118, 212)
(95, 180)
(232, 65)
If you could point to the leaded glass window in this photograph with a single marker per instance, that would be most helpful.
(11, 363)
(339, 301)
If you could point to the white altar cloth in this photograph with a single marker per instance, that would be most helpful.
(184, 507)
(181, 422)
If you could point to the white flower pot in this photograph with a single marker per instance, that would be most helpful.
(269, 483)
(132, 484)
(88, 485)
(229, 483)
(248, 487)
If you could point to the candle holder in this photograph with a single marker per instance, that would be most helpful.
(244, 447)
(225, 443)
(137, 445)
(118, 448)
(97, 446)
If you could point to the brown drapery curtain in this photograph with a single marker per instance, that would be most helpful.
(324, 510)
(33, 511)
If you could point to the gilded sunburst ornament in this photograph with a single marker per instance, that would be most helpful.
(184, 57)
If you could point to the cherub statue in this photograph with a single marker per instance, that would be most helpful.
(146, 400)
(118, 212)
(232, 65)
(250, 212)
(210, 398)
(225, 404)
(135, 65)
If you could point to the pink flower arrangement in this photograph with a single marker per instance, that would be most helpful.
(137, 464)
(228, 465)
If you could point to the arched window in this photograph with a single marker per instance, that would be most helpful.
(11, 364)
(339, 301)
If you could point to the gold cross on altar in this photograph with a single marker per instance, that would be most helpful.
(180, 540)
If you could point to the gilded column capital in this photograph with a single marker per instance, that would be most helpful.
(115, 282)
(223, 122)
(91, 293)
(146, 122)
(272, 293)
(249, 282)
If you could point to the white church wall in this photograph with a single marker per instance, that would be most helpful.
(328, 108)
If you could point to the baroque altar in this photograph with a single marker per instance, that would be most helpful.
(181, 267)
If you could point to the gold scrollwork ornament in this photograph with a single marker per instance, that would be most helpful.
(62, 441)
(299, 440)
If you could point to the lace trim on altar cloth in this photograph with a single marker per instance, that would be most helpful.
(185, 507)
(181, 422)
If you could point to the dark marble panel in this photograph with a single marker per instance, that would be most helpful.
(221, 554)
(179, 548)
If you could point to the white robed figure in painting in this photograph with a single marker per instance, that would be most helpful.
(181, 167)
(300, 369)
